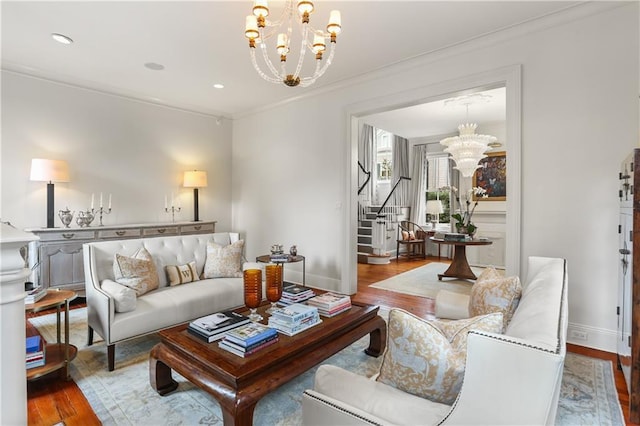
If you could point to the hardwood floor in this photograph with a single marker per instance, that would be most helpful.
(52, 400)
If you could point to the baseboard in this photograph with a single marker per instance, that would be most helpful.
(311, 280)
(594, 337)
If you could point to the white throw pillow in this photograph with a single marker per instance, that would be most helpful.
(137, 272)
(124, 297)
(427, 358)
(223, 261)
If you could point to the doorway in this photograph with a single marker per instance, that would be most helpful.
(510, 79)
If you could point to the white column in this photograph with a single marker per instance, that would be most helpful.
(13, 376)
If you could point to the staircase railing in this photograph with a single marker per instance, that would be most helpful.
(366, 180)
(391, 193)
(382, 226)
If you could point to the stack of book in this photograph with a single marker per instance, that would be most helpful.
(294, 293)
(248, 339)
(279, 257)
(295, 318)
(34, 295)
(453, 236)
(330, 304)
(35, 352)
(213, 327)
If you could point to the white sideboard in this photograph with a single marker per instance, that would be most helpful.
(58, 253)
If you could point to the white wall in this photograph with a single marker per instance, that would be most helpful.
(133, 150)
(579, 120)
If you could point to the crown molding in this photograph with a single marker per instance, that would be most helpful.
(11, 68)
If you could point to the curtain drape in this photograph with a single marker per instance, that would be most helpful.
(400, 155)
(454, 179)
(367, 157)
(419, 184)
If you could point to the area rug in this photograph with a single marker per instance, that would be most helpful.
(423, 281)
(124, 396)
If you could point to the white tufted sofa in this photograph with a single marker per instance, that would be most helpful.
(162, 308)
(510, 379)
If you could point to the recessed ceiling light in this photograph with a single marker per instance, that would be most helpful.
(154, 66)
(61, 38)
(218, 86)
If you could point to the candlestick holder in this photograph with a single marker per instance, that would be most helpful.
(173, 211)
(101, 211)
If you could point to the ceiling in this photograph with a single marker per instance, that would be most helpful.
(443, 116)
(201, 43)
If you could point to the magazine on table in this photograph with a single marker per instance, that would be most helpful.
(294, 313)
(218, 322)
(249, 334)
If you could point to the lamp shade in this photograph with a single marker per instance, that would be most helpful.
(195, 179)
(434, 207)
(43, 170)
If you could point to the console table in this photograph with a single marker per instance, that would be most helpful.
(58, 253)
(459, 267)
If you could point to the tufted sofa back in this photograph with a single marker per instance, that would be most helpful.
(174, 250)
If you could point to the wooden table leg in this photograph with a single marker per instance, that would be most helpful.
(238, 416)
(377, 338)
(459, 267)
(160, 374)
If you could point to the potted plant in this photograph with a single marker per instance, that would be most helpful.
(462, 219)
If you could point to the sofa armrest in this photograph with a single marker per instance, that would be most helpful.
(320, 409)
(339, 393)
(507, 381)
(450, 305)
(101, 307)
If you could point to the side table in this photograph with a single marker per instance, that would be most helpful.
(57, 355)
(459, 267)
(266, 258)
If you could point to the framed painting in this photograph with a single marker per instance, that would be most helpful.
(492, 176)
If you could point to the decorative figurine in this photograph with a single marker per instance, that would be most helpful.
(293, 251)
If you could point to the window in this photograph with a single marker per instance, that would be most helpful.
(384, 164)
(438, 184)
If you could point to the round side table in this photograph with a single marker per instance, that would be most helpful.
(291, 259)
(57, 355)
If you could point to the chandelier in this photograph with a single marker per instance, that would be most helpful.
(259, 29)
(468, 148)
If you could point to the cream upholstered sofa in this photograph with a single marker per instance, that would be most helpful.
(511, 378)
(161, 308)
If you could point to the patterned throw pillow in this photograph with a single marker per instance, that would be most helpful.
(494, 293)
(223, 261)
(427, 358)
(408, 236)
(181, 274)
(137, 272)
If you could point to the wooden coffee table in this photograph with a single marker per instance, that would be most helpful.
(238, 383)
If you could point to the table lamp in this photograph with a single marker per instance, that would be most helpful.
(43, 170)
(195, 179)
(434, 208)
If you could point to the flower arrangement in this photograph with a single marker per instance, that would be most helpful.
(463, 219)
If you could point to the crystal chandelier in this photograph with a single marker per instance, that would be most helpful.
(468, 148)
(259, 29)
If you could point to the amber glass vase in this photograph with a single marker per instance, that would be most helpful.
(253, 292)
(273, 272)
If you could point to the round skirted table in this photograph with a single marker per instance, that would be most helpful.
(459, 267)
